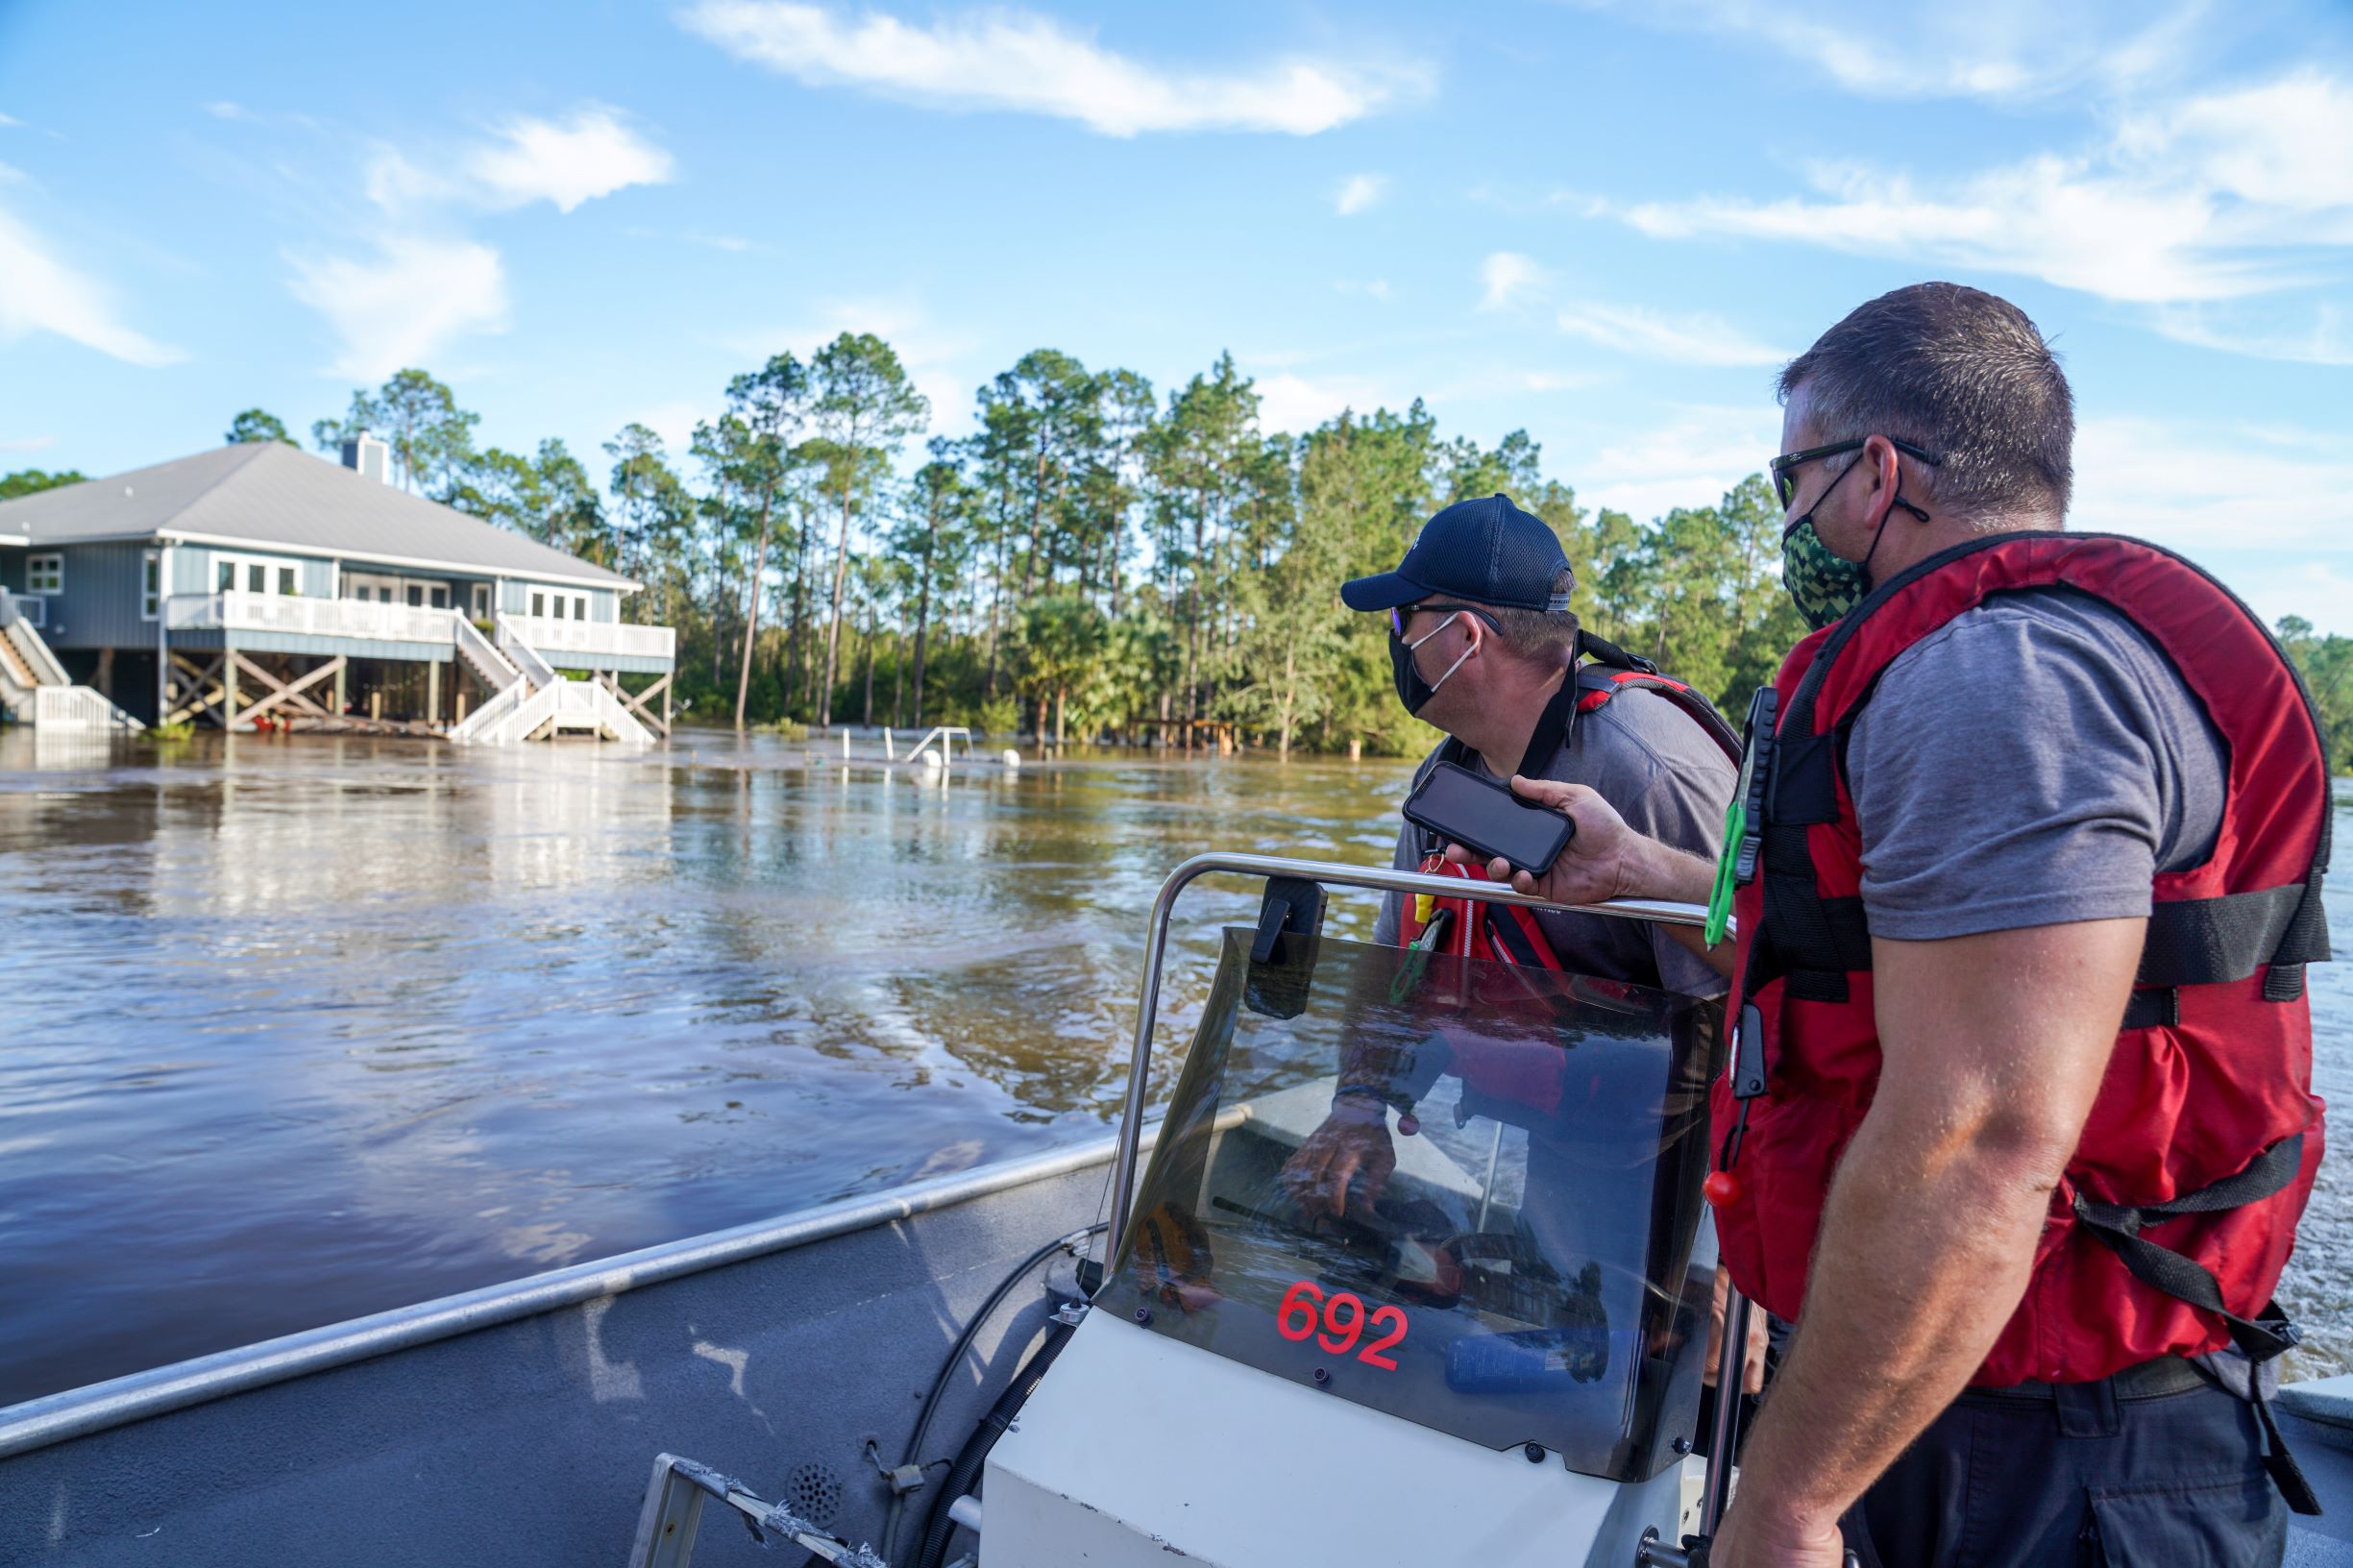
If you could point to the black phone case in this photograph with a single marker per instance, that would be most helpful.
(1454, 835)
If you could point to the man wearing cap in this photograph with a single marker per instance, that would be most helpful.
(1483, 646)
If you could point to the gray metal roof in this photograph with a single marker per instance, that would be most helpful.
(271, 495)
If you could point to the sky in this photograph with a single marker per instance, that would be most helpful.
(1607, 222)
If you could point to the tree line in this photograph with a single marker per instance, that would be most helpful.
(1097, 561)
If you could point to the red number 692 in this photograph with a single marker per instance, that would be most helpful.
(1338, 1322)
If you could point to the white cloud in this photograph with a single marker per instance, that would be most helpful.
(1359, 193)
(1506, 277)
(1702, 451)
(1295, 404)
(2197, 489)
(1374, 288)
(1028, 63)
(1681, 340)
(593, 155)
(38, 293)
(2001, 49)
(2212, 198)
(221, 109)
(401, 305)
(29, 443)
(2327, 340)
(10, 120)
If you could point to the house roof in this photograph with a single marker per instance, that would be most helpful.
(269, 495)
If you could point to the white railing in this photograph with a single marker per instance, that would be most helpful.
(485, 723)
(30, 608)
(535, 670)
(592, 637)
(237, 611)
(77, 707)
(517, 713)
(493, 666)
(34, 654)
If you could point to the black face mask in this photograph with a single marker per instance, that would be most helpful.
(1413, 690)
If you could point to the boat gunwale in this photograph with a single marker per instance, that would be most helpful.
(100, 1407)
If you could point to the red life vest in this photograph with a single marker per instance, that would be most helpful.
(2205, 1130)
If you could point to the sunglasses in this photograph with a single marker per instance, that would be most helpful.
(1399, 617)
(1784, 468)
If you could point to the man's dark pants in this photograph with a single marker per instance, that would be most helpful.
(2077, 1476)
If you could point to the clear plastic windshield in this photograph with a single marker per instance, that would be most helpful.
(1457, 1191)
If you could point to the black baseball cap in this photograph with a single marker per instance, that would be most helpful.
(1487, 550)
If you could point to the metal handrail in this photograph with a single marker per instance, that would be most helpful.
(1381, 878)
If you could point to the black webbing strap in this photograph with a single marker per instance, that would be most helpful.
(2154, 1008)
(2161, 1268)
(1551, 731)
(1506, 939)
(2184, 1278)
(2306, 939)
(1605, 651)
(1810, 942)
(2205, 942)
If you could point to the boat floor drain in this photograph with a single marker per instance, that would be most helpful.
(815, 1493)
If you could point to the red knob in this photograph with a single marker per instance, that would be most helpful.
(1722, 1188)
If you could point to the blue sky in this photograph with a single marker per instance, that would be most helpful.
(1604, 222)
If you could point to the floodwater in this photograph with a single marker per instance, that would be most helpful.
(299, 1029)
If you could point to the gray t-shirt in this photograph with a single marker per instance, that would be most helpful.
(2032, 762)
(1668, 779)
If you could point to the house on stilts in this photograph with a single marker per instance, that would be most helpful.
(260, 586)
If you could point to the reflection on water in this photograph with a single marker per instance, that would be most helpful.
(300, 1029)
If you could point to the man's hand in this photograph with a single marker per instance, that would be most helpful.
(1748, 1539)
(1606, 859)
(1353, 1142)
(1752, 1373)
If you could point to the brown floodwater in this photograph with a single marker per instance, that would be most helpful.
(299, 1029)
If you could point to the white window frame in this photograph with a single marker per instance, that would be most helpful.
(273, 568)
(45, 573)
(151, 584)
(483, 600)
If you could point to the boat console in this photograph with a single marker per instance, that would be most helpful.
(1417, 1272)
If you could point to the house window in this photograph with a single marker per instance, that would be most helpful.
(151, 584)
(44, 574)
(441, 595)
(285, 582)
(416, 596)
(579, 607)
(224, 576)
(481, 602)
(539, 603)
(559, 606)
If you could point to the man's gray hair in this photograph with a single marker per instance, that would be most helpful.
(1960, 371)
(1544, 637)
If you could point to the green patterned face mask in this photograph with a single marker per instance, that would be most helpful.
(1825, 586)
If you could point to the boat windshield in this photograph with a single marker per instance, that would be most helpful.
(1461, 1192)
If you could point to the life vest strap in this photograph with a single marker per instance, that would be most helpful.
(2185, 1279)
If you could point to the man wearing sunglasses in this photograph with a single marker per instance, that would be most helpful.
(1483, 646)
(2028, 1118)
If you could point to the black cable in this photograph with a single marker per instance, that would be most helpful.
(955, 1357)
(938, 1525)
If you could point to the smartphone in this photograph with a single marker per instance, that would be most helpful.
(1462, 808)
